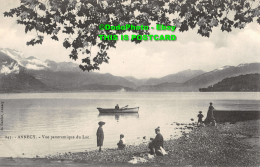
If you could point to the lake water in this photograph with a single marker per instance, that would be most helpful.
(70, 115)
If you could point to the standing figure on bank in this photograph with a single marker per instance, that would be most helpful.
(200, 116)
(156, 144)
(210, 116)
(100, 135)
(117, 107)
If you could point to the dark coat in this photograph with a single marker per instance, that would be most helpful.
(210, 116)
(100, 136)
(158, 141)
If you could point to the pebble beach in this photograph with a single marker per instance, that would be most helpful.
(227, 144)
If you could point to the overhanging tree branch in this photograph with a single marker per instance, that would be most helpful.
(78, 20)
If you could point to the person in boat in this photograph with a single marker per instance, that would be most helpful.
(157, 143)
(117, 107)
(200, 116)
(121, 143)
(100, 135)
(210, 116)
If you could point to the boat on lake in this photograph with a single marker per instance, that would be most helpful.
(120, 110)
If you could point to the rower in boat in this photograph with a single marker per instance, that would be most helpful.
(117, 107)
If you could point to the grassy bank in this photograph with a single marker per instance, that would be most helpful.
(224, 145)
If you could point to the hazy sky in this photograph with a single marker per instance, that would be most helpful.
(148, 59)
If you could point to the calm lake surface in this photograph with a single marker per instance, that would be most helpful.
(69, 115)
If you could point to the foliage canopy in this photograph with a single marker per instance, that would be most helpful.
(78, 20)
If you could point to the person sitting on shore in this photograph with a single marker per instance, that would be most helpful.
(117, 107)
(200, 116)
(121, 144)
(157, 143)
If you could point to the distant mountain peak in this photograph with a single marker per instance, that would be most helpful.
(34, 64)
(14, 54)
(31, 58)
(62, 66)
(223, 67)
(242, 65)
(28, 63)
(11, 50)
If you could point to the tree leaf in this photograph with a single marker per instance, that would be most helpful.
(66, 44)
(54, 37)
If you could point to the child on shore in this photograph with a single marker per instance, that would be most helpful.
(121, 143)
(200, 116)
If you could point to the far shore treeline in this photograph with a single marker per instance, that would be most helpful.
(241, 83)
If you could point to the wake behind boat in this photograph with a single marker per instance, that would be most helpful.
(119, 110)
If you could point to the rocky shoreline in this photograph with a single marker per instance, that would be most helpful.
(222, 145)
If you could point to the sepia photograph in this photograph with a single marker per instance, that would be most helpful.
(111, 83)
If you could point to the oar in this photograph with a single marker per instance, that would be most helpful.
(124, 107)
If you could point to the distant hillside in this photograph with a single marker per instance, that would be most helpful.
(241, 83)
(164, 87)
(21, 82)
(212, 77)
(179, 77)
(205, 79)
(137, 82)
(72, 80)
(62, 66)
(21, 74)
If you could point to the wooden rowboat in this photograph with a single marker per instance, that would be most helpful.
(120, 110)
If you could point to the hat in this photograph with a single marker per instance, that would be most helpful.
(200, 111)
(210, 103)
(101, 123)
(158, 128)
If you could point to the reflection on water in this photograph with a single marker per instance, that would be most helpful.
(119, 115)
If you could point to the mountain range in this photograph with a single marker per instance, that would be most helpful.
(20, 74)
(29, 74)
